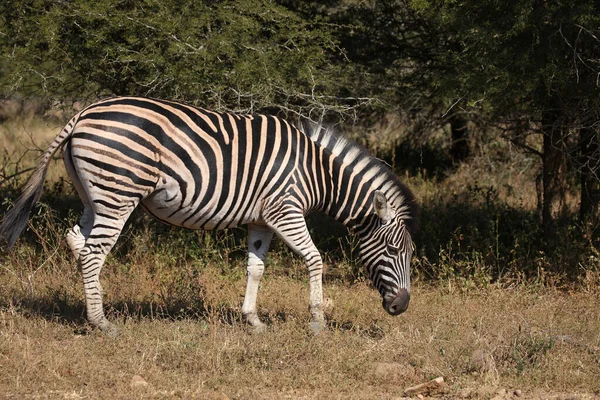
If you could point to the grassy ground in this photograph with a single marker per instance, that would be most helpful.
(484, 343)
(488, 313)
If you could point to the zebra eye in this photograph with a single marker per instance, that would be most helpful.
(393, 250)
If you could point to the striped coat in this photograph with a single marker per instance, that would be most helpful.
(201, 169)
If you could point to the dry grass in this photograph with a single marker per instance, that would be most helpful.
(178, 308)
(23, 141)
(183, 334)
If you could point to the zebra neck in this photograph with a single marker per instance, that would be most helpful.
(351, 187)
(349, 197)
(354, 215)
(346, 177)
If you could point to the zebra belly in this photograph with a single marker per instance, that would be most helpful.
(168, 204)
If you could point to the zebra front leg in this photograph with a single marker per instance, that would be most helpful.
(293, 231)
(259, 238)
(314, 264)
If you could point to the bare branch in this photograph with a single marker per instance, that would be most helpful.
(8, 178)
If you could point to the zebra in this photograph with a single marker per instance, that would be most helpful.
(201, 169)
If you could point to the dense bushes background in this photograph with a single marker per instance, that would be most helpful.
(487, 109)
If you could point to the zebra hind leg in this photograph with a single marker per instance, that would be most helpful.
(77, 235)
(101, 239)
(259, 239)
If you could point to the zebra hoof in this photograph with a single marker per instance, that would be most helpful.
(256, 325)
(109, 330)
(258, 328)
(318, 328)
(112, 332)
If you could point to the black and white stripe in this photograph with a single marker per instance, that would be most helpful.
(201, 169)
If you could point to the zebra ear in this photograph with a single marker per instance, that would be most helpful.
(382, 207)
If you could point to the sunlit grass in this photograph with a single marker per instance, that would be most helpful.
(489, 312)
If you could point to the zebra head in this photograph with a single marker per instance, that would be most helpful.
(386, 250)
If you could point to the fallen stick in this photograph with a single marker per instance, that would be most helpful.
(425, 387)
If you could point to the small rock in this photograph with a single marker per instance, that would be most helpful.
(429, 386)
(518, 393)
(137, 382)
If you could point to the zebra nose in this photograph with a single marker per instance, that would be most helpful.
(398, 304)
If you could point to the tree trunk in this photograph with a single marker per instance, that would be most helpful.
(459, 150)
(539, 191)
(554, 174)
(588, 208)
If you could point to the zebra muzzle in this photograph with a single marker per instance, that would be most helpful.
(398, 304)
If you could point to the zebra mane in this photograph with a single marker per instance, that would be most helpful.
(340, 146)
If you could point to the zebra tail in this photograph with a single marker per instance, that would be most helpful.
(15, 220)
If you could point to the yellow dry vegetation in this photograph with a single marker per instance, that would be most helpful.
(542, 342)
(182, 335)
